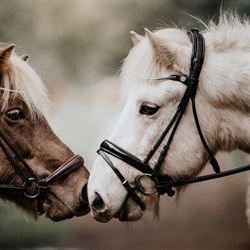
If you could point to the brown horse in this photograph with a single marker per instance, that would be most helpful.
(38, 171)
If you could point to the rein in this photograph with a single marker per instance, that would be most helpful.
(164, 183)
(34, 187)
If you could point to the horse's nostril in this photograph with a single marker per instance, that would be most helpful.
(98, 204)
(85, 193)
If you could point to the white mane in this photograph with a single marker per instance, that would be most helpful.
(23, 81)
(231, 32)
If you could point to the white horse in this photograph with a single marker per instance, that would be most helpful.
(222, 101)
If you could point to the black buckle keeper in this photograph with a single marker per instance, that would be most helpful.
(165, 189)
(42, 184)
(192, 84)
(163, 185)
(126, 185)
(215, 165)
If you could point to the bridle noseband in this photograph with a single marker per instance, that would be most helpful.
(164, 183)
(34, 187)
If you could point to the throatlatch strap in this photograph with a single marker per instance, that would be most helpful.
(213, 161)
(118, 152)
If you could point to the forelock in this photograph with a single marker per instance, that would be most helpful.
(23, 82)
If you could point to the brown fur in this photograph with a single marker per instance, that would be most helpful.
(35, 141)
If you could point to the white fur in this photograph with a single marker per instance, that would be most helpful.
(222, 100)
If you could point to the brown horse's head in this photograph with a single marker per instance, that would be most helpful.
(22, 123)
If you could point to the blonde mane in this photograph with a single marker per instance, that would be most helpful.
(21, 81)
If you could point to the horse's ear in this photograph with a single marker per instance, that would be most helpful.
(136, 38)
(24, 57)
(167, 53)
(5, 54)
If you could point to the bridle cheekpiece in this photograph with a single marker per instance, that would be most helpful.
(34, 187)
(164, 183)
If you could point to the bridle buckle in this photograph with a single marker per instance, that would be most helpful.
(28, 187)
(145, 189)
(42, 184)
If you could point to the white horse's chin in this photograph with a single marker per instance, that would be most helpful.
(104, 218)
(129, 212)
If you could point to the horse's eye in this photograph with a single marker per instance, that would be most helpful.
(149, 109)
(15, 114)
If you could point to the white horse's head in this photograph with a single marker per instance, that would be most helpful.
(148, 109)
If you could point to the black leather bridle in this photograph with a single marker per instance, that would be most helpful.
(34, 187)
(164, 183)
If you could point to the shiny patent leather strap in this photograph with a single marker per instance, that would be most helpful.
(124, 182)
(113, 149)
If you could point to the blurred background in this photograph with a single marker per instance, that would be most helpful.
(77, 48)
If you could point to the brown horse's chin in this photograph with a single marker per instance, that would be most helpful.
(56, 211)
(129, 212)
(82, 209)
